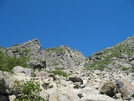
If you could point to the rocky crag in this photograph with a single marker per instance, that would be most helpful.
(65, 74)
(120, 56)
(62, 57)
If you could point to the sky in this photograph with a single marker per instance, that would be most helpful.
(84, 25)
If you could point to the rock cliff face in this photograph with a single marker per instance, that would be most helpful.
(62, 57)
(30, 49)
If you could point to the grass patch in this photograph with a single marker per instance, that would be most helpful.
(132, 69)
(56, 64)
(124, 69)
(100, 65)
(59, 72)
(7, 63)
(27, 51)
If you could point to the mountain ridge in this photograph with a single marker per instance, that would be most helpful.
(123, 52)
(65, 57)
(65, 74)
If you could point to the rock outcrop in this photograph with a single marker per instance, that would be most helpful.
(63, 57)
(51, 58)
(119, 57)
(30, 49)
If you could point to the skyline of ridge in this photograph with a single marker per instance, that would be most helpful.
(88, 26)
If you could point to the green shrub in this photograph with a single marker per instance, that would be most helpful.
(7, 63)
(89, 67)
(132, 68)
(27, 50)
(59, 72)
(124, 69)
(29, 91)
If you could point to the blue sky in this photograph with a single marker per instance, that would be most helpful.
(85, 25)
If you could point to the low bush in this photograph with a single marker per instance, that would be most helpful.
(59, 72)
(28, 91)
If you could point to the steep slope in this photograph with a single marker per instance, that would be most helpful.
(120, 56)
(62, 57)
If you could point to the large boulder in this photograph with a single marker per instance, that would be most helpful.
(6, 82)
(87, 91)
(97, 97)
(75, 79)
(19, 69)
(107, 87)
(125, 88)
(64, 94)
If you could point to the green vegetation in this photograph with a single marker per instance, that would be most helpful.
(55, 64)
(7, 63)
(100, 65)
(27, 50)
(29, 91)
(132, 68)
(17, 50)
(105, 58)
(124, 69)
(59, 71)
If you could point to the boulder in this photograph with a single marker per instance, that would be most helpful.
(45, 94)
(19, 69)
(6, 82)
(42, 74)
(64, 94)
(37, 64)
(11, 97)
(3, 98)
(75, 79)
(87, 91)
(107, 87)
(125, 88)
(96, 97)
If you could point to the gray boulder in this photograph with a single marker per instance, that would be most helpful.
(87, 91)
(125, 88)
(6, 82)
(64, 94)
(107, 87)
(19, 69)
(97, 97)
